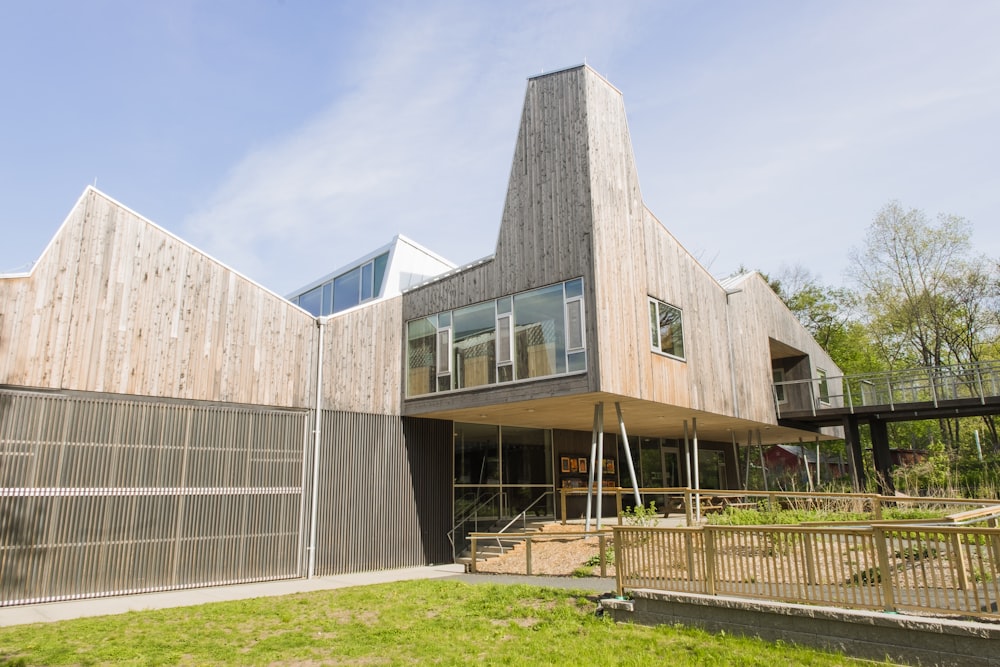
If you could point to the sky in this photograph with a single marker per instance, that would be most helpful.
(287, 138)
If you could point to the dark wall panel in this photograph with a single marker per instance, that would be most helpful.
(384, 498)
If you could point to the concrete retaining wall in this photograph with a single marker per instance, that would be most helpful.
(862, 634)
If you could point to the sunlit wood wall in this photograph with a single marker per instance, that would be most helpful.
(116, 304)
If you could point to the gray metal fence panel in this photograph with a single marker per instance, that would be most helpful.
(106, 495)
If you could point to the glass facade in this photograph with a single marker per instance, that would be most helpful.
(666, 329)
(533, 334)
(501, 471)
(347, 290)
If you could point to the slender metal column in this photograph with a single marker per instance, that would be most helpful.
(687, 456)
(746, 478)
(817, 462)
(805, 462)
(628, 454)
(600, 467)
(697, 474)
(736, 458)
(590, 473)
(763, 467)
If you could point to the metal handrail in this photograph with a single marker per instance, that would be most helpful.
(524, 512)
(468, 516)
(931, 384)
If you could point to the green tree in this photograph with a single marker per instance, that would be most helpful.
(925, 298)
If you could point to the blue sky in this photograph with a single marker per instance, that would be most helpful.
(287, 138)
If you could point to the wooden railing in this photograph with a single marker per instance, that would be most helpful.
(694, 503)
(942, 569)
(601, 535)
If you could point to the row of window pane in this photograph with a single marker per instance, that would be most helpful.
(666, 329)
(528, 335)
(347, 290)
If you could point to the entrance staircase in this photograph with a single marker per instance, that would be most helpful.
(487, 549)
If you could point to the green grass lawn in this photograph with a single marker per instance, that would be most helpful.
(415, 622)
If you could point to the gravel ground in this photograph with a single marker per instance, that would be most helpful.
(549, 555)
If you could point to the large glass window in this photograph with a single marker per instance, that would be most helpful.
(347, 290)
(312, 300)
(421, 352)
(539, 333)
(666, 329)
(474, 345)
(534, 334)
(502, 469)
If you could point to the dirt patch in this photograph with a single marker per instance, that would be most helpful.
(559, 556)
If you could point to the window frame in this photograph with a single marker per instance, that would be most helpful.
(575, 358)
(777, 377)
(655, 341)
(822, 387)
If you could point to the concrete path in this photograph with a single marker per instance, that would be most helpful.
(60, 611)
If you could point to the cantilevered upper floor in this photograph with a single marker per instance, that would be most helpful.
(589, 298)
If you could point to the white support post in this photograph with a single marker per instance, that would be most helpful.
(763, 467)
(736, 458)
(600, 468)
(805, 462)
(628, 455)
(697, 474)
(746, 479)
(590, 473)
(817, 462)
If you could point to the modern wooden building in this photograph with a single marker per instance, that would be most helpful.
(166, 422)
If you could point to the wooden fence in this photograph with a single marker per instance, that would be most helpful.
(941, 569)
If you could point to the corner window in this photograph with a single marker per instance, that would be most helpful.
(666, 329)
(824, 388)
(778, 377)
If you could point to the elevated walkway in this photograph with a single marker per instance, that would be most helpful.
(915, 394)
(962, 390)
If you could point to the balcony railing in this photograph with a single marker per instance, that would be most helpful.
(891, 389)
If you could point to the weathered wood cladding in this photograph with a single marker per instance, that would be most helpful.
(636, 257)
(757, 316)
(545, 228)
(116, 304)
(383, 504)
(574, 207)
(362, 359)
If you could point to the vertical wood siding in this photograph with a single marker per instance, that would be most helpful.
(757, 316)
(118, 305)
(544, 233)
(384, 496)
(110, 496)
(363, 359)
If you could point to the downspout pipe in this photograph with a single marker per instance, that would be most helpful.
(317, 433)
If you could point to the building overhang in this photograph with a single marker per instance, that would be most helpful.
(641, 418)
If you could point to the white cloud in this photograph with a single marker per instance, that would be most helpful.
(421, 146)
(768, 136)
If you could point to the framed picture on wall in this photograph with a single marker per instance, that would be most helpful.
(582, 465)
(609, 466)
(572, 465)
(564, 464)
